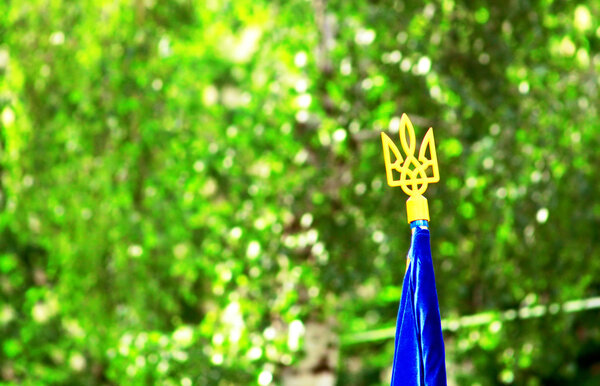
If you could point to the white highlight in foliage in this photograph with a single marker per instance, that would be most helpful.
(265, 378)
(301, 85)
(231, 131)
(236, 233)
(140, 361)
(306, 220)
(378, 237)
(583, 18)
(180, 356)
(360, 188)
(186, 381)
(183, 335)
(301, 157)
(157, 84)
(41, 312)
(164, 47)
(4, 58)
(217, 359)
(300, 59)
(8, 117)
(524, 87)
(180, 250)
(364, 36)
(395, 56)
(27, 181)
(567, 47)
(253, 250)
(423, 65)
(163, 366)
(73, 328)
(436, 92)
(198, 166)
(269, 333)
(246, 45)
(210, 95)
(395, 124)
(346, 66)
(583, 58)
(218, 339)
(303, 101)
(232, 318)
(302, 116)
(429, 11)
(7, 314)
(254, 353)
(318, 249)
(77, 362)
(542, 215)
(57, 38)
(405, 65)
(339, 135)
(135, 250)
(296, 330)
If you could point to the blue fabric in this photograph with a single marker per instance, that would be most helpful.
(419, 357)
(419, 223)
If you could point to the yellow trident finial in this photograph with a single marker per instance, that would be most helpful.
(413, 171)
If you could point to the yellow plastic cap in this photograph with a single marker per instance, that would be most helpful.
(417, 208)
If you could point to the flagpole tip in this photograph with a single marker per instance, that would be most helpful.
(416, 170)
(417, 208)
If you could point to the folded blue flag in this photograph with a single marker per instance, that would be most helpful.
(419, 357)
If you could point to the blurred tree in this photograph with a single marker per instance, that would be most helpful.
(188, 186)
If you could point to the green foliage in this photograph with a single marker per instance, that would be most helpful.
(183, 181)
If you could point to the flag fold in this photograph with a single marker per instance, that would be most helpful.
(419, 357)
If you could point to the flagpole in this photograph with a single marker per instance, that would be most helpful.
(419, 355)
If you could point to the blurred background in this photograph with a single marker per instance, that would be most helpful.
(193, 192)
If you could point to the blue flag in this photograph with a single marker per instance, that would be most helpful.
(419, 357)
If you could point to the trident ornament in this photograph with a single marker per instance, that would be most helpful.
(414, 178)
